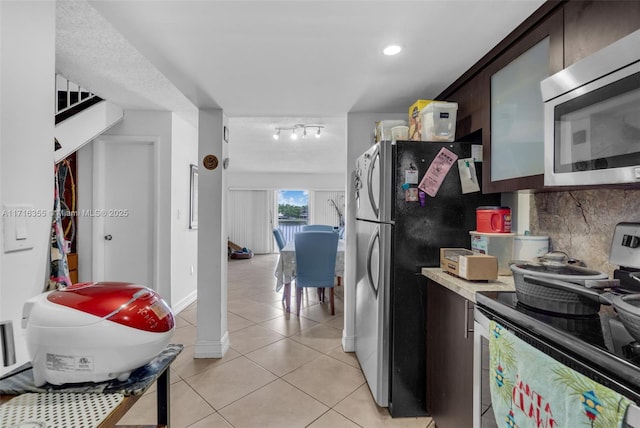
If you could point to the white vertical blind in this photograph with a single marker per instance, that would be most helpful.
(250, 218)
(323, 211)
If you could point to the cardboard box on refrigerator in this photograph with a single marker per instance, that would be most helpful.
(468, 264)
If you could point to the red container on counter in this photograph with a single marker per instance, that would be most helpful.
(493, 219)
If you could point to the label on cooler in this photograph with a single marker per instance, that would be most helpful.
(69, 363)
(480, 244)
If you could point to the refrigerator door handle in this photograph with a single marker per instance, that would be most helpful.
(376, 154)
(374, 237)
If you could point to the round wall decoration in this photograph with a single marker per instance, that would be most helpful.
(210, 162)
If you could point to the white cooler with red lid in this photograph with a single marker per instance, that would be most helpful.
(95, 331)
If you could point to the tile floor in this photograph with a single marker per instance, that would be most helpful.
(281, 370)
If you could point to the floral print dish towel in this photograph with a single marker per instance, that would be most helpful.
(529, 389)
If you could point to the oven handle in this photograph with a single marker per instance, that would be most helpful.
(467, 309)
(480, 331)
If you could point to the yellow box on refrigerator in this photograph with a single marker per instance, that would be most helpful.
(415, 121)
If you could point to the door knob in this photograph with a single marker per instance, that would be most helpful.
(108, 237)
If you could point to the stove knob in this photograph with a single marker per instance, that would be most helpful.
(631, 241)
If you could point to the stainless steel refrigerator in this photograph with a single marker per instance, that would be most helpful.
(395, 238)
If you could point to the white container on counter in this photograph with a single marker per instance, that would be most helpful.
(528, 247)
(499, 245)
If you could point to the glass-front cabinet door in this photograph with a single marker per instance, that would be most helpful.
(517, 123)
(514, 143)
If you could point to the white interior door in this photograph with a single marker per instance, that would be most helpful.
(124, 215)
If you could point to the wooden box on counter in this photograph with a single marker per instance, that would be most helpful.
(469, 265)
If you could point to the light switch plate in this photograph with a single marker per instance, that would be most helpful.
(17, 221)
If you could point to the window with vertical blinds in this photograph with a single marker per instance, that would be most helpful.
(322, 207)
(250, 219)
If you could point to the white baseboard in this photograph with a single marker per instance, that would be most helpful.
(184, 303)
(212, 349)
(348, 343)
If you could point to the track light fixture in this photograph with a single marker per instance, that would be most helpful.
(294, 130)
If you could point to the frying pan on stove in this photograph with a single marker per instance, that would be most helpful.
(626, 306)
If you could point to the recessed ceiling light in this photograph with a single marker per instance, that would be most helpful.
(392, 50)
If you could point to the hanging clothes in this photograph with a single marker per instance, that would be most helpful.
(59, 266)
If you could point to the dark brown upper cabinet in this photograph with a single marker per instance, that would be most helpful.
(574, 29)
(513, 126)
(592, 25)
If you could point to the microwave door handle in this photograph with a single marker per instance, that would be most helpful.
(375, 208)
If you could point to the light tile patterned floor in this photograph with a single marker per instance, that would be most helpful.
(281, 370)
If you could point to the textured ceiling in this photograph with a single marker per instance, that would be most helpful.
(269, 63)
(90, 52)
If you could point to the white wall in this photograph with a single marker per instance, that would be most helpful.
(284, 181)
(27, 61)
(184, 241)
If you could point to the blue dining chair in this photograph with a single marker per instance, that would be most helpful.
(315, 263)
(317, 227)
(277, 233)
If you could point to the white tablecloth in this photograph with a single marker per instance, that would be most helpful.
(286, 267)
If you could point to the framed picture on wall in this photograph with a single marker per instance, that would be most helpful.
(193, 198)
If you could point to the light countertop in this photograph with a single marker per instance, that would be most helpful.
(467, 289)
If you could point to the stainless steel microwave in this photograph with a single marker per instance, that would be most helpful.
(592, 118)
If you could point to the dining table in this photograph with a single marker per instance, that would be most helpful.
(285, 271)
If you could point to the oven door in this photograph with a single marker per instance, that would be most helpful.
(483, 414)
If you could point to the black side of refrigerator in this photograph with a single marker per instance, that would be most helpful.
(417, 235)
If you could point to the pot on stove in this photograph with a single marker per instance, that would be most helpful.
(555, 266)
(558, 286)
(627, 306)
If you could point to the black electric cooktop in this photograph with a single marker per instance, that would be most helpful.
(593, 344)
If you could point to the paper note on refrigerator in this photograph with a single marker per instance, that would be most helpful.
(437, 171)
(468, 175)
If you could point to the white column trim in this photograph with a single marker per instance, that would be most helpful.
(211, 349)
